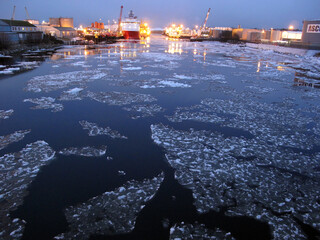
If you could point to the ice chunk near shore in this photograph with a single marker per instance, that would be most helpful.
(120, 98)
(112, 212)
(10, 70)
(146, 110)
(72, 94)
(6, 114)
(11, 138)
(95, 130)
(197, 231)
(17, 170)
(45, 103)
(28, 65)
(84, 151)
(54, 82)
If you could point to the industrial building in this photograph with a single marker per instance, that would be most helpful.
(59, 27)
(61, 22)
(311, 34)
(17, 31)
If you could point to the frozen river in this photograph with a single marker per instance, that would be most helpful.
(161, 139)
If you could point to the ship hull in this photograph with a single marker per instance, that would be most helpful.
(131, 34)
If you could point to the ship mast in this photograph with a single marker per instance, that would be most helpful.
(119, 26)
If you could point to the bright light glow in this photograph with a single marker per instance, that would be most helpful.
(291, 27)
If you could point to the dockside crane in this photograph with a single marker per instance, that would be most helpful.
(14, 11)
(28, 16)
(120, 18)
(205, 21)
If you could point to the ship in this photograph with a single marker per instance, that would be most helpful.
(131, 27)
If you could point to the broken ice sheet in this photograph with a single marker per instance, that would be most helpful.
(249, 177)
(95, 130)
(5, 114)
(72, 94)
(17, 170)
(53, 82)
(11, 138)
(281, 124)
(84, 151)
(120, 98)
(197, 231)
(112, 212)
(146, 110)
(45, 103)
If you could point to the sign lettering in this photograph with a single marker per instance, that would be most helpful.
(313, 28)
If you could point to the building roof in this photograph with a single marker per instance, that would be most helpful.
(17, 23)
(65, 28)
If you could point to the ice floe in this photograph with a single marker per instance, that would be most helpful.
(158, 83)
(161, 57)
(120, 98)
(11, 138)
(45, 103)
(146, 110)
(17, 170)
(5, 114)
(81, 64)
(53, 82)
(84, 151)
(72, 94)
(95, 130)
(112, 212)
(131, 68)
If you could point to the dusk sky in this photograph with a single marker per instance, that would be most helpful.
(224, 13)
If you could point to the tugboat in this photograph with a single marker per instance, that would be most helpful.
(131, 27)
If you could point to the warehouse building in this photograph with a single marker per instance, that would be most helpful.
(17, 31)
(311, 34)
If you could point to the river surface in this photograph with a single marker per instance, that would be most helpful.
(171, 139)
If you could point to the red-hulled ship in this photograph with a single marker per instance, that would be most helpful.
(131, 27)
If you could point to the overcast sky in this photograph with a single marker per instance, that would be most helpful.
(224, 13)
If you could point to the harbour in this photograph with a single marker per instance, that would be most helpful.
(159, 137)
